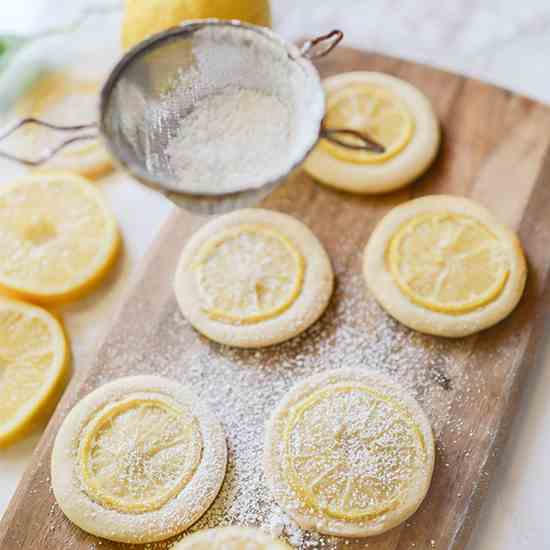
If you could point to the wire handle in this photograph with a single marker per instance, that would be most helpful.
(369, 144)
(51, 152)
(311, 49)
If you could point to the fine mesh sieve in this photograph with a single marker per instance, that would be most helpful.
(148, 99)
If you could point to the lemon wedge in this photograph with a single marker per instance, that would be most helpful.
(230, 538)
(248, 274)
(33, 366)
(373, 110)
(448, 262)
(143, 18)
(64, 99)
(57, 237)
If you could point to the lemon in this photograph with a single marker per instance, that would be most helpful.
(351, 452)
(57, 236)
(143, 18)
(248, 273)
(63, 99)
(138, 453)
(33, 366)
(230, 538)
(448, 262)
(373, 110)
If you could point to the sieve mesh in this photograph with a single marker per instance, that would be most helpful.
(148, 101)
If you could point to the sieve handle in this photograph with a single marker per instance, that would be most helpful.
(322, 45)
(368, 144)
(51, 152)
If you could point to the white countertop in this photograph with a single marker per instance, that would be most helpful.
(505, 42)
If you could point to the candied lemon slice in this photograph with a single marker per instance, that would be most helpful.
(57, 236)
(60, 98)
(248, 274)
(138, 453)
(33, 365)
(448, 262)
(371, 109)
(352, 452)
(230, 538)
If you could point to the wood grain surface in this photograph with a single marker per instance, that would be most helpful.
(496, 151)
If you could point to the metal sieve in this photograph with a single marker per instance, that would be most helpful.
(157, 84)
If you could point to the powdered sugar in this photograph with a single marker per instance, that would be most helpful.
(235, 139)
(242, 387)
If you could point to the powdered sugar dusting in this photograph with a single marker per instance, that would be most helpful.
(242, 387)
(227, 144)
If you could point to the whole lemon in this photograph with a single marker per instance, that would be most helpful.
(143, 18)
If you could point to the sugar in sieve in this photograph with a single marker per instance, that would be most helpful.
(147, 99)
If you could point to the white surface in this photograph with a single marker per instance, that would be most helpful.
(505, 42)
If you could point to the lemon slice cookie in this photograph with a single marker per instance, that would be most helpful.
(138, 460)
(348, 454)
(65, 99)
(33, 366)
(389, 110)
(57, 236)
(253, 278)
(230, 538)
(444, 265)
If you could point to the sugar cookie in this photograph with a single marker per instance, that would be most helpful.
(444, 265)
(392, 112)
(138, 460)
(230, 538)
(347, 453)
(253, 278)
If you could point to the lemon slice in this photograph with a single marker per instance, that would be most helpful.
(33, 366)
(390, 111)
(248, 274)
(139, 452)
(230, 538)
(443, 265)
(253, 278)
(356, 455)
(63, 99)
(373, 110)
(57, 237)
(448, 262)
(138, 460)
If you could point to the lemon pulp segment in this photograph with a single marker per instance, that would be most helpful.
(373, 110)
(33, 364)
(138, 453)
(448, 262)
(56, 235)
(352, 452)
(248, 274)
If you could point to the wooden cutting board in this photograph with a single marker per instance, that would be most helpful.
(496, 151)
